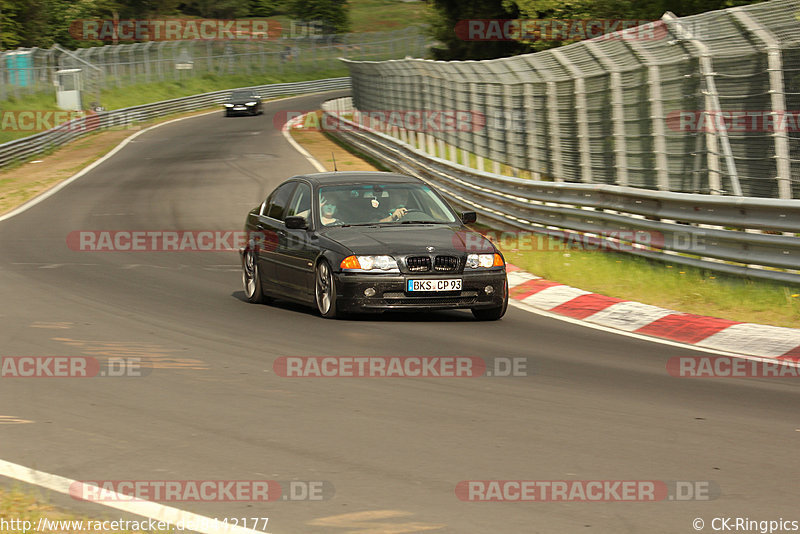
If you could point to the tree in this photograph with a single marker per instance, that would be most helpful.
(264, 8)
(454, 45)
(221, 9)
(448, 14)
(10, 28)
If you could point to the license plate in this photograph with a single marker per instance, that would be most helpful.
(239, 108)
(451, 284)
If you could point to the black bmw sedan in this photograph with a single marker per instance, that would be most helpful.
(243, 101)
(367, 242)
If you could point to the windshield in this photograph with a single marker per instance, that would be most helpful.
(241, 95)
(379, 203)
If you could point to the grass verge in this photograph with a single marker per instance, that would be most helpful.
(325, 147)
(18, 507)
(672, 286)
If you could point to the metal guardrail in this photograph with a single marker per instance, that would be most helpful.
(20, 149)
(754, 237)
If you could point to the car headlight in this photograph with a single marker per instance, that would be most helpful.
(251, 103)
(228, 105)
(484, 261)
(370, 263)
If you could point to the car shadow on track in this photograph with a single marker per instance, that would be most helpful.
(444, 316)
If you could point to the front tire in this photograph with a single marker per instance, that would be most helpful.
(325, 290)
(251, 279)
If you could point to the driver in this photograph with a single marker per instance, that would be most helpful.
(398, 198)
(327, 211)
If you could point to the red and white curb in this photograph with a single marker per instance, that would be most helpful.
(706, 332)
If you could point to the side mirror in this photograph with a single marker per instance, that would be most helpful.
(294, 222)
(469, 217)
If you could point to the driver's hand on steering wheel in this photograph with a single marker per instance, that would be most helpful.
(399, 213)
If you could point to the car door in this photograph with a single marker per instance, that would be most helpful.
(270, 226)
(298, 249)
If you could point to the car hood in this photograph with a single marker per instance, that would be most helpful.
(411, 239)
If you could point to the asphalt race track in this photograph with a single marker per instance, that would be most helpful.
(594, 406)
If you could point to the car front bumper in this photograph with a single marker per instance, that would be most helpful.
(390, 292)
(240, 109)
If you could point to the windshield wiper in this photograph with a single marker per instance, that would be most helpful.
(422, 222)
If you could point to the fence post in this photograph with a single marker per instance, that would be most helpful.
(617, 112)
(777, 98)
(656, 113)
(712, 103)
(532, 150)
(117, 78)
(580, 109)
(147, 61)
(556, 157)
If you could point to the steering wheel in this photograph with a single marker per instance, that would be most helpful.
(424, 217)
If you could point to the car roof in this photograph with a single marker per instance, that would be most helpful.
(357, 177)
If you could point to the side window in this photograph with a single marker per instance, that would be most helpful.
(301, 201)
(279, 201)
(264, 206)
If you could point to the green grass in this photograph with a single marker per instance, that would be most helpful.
(21, 506)
(666, 285)
(357, 153)
(386, 15)
(377, 15)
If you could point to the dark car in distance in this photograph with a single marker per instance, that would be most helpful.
(243, 102)
(368, 242)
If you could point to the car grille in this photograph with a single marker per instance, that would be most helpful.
(438, 301)
(418, 264)
(466, 298)
(445, 264)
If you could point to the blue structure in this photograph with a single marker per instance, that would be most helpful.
(19, 65)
